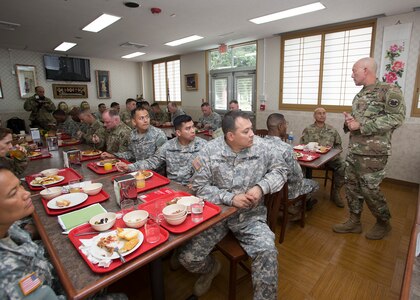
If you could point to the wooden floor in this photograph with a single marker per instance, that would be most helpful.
(314, 262)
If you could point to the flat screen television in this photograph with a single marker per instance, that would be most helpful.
(63, 68)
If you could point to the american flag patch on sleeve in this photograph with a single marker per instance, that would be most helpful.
(29, 283)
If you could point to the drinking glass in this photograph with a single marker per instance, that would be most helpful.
(197, 212)
(107, 166)
(127, 205)
(152, 231)
(74, 186)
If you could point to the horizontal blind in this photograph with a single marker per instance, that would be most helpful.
(244, 92)
(220, 93)
(341, 50)
(301, 66)
(173, 69)
(159, 81)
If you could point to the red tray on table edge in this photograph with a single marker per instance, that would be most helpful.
(68, 173)
(155, 181)
(317, 151)
(87, 157)
(40, 156)
(144, 247)
(210, 210)
(65, 136)
(98, 198)
(159, 193)
(70, 144)
(101, 170)
(312, 156)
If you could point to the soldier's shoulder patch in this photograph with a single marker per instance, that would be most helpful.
(197, 163)
(393, 102)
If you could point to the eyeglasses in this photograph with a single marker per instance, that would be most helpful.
(144, 118)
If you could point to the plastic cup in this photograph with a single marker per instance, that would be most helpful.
(197, 212)
(127, 205)
(152, 231)
(74, 187)
(107, 166)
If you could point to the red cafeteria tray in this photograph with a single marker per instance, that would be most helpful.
(101, 197)
(40, 156)
(309, 157)
(68, 173)
(156, 194)
(87, 157)
(101, 170)
(209, 211)
(145, 246)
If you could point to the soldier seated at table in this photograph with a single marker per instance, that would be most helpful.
(95, 127)
(21, 256)
(159, 117)
(18, 162)
(297, 185)
(174, 112)
(130, 105)
(70, 123)
(144, 139)
(210, 119)
(178, 153)
(326, 135)
(117, 134)
(237, 170)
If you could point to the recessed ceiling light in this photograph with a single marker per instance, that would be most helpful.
(135, 54)
(64, 46)
(289, 13)
(101, 22)
(184, 40)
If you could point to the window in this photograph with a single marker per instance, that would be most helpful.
(316, 65)
(167, 80)
(236, 56)
(415, 112)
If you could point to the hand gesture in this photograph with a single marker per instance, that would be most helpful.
(121, 166)
(107, 155)
(256, 194)
(242, 201)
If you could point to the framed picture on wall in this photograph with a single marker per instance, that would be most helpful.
(1, 91)
(26, 78)
(103, 84)
(70, 91)
(191, 82)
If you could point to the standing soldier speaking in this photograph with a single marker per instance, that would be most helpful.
(377, 110)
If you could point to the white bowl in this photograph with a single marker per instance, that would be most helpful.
(93, 188)
(178, 220)
(49, 172)
(187, 201)
(51, 192)
(108, 218)
(136, 218)
(174, 211)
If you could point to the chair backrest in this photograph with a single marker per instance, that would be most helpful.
(273, 203)
(261, 132)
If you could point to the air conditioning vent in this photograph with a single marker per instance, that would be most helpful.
(133, 45)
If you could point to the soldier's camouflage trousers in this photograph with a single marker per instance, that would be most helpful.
(363, 176)
(254, 235)
(339, 166)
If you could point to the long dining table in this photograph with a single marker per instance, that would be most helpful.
(78, 280)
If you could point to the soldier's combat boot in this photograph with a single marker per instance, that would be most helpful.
(203, 283)
(352, 225)
(336, 198)
(379, 230)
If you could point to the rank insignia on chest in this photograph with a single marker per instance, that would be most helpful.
(393, 102)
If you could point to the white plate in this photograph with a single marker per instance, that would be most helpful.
(86, 152)
(74, 198)
(60, 179)
(187, 201)
(150, 174)
(299, 147)
(100, 253)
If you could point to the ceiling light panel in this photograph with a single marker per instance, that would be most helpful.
(184, 40)
(289, 13)
(64, 46)
(101, 22)
(135, 54)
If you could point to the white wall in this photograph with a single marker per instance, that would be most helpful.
(125, 80)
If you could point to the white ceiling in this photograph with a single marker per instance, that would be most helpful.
(47, 23)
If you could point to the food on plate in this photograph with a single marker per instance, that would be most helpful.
(34, 153)
(108, 243)
(91, 152)
(126, 234)
(323, 149)
(46, 180)
(176, 212)
(62, 203)
(111, 161)
(173, 201)
(130, 244)
(101, 221)
(298, 154)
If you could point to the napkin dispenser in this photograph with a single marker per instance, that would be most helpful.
(125, 188)
(72, 157)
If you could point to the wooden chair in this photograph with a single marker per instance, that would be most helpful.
(326, 177)
(285, 204)
(261, 132)
(232, 250)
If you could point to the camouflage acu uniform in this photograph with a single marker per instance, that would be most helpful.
(297, 185)
(327, 136)
(118, 139)
(161, 117)
(97, 128)
(72, 127)
(17, 166)
(126, 118)
(20, 257)
(41, 114)
(380, 109)
(220, 175)
(179, 112)
(178, 159)
(143, 146)
(214, 120)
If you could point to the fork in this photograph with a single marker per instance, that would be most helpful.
(116, 249)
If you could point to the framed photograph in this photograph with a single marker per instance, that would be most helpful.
(70, 91)
(26, 78)
(1, 91)
(191, 82)
(103, 84)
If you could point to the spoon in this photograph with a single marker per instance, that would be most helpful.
(118, 251)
